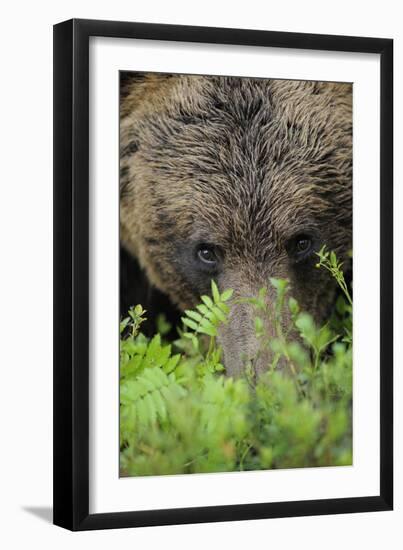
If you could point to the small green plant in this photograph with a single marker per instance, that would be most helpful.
(179, 414)
(210, 314)
(343, 317)
(328, 260)
(134, 320)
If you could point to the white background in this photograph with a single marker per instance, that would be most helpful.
(26, 281)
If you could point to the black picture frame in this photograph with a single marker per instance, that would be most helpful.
(71, 274)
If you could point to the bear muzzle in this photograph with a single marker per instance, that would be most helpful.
(241, 345)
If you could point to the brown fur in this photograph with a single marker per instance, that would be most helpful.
(244, 164)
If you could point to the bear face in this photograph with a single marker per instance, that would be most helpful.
(239, 180)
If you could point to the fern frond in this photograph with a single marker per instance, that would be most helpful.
(210, 314)
(143, 400)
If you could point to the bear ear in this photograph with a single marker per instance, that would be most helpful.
(135, 86)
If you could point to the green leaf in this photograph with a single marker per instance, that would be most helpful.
(208, 301)
(279, 284)
(163, 327)
(219, 314)
(258, 326)
(307, 328)
(293, 306)
(153, 348)
(262, 293)
(189, 323)
(215, 292)
(224, 308)
(159, 405)
(208, 328)
(151, 409)
(172, 363)
(203, 309)
(123, 324)
(226, 295)
(194, 315)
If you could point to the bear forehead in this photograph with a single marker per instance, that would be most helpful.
(300, 111)
(215, 129)
(247, 157)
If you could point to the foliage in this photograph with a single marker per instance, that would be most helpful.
(180, 414)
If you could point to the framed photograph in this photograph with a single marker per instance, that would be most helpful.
(223, 233)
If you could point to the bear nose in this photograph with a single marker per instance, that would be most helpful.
(240, 344)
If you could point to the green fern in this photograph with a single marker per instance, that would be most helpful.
(205, 320)
(143, 400)
(210, 314)
(179, 415)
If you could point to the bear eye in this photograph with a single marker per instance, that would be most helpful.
(303, 244)
(207, 256)
(300, 246)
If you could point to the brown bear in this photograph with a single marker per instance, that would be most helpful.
(237, 180)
